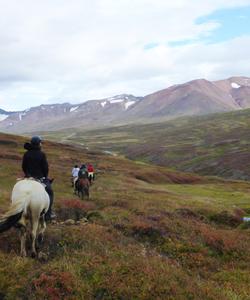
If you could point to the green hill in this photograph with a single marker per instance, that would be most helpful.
(217, 144)
(152, 233)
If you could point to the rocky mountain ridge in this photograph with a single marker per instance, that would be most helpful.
(5, 114)
(197, 97)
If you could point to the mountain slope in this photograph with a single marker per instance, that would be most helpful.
(197, 97)
(238, 88)
(193, 98)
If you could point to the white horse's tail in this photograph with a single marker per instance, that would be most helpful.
(12, 216)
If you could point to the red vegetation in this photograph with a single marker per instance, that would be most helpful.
(158, 176)
(239, 213)
(54, 285)
(74, 209)
(219, 241)
(77, 204)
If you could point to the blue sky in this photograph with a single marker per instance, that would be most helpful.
(233, 23)
(74, 51)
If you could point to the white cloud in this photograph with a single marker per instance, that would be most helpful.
(59, 50)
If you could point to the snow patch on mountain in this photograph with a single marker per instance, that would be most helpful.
(235, 85)
(129, 103)
(116, 101)
(21, 115)
(3, 117)
(103, 103)
(74, 108)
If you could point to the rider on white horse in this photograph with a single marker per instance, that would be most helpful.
(74, 174)
(35, 165)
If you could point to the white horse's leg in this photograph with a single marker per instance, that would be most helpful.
(23, 234)
(42, 227)
(34, 227)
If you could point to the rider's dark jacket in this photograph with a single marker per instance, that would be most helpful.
(34, 162)
(83, 173)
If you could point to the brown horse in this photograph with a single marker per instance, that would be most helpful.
(82, 187)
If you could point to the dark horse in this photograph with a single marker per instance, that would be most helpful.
(91, 177)
(82, 187)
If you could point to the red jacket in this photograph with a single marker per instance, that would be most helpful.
(90, 168)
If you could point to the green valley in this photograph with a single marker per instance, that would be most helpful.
(217, 144)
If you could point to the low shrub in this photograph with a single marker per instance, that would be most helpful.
(219, 241)
(54, 285)
(144, 232)
(74, 209)
(239, 213)
(188, 213)
(94, 215)
(245, 225)
(225, 218)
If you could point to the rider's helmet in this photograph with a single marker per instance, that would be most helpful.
(76, 166)
(83, 166)
(35, 140)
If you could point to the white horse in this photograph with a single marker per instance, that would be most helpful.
(30, 202)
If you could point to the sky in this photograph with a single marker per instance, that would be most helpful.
(56, 51)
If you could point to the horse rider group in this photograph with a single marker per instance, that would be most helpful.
(85, 171)
(35, 165)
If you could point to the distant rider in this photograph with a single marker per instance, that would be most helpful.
(91, 173)
(74, 173)
(35, 165)
(83, 172)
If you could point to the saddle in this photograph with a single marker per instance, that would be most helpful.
(41, 180)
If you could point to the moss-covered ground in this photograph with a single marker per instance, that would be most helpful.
(152, 233)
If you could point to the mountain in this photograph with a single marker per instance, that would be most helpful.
(92, 113)
(237, 88)
(197, 97)
(4, 114)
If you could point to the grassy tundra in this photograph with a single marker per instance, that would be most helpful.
(208, 145)
(152, 233)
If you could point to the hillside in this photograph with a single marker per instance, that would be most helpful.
(197, 97)
(151, 233)
(217, 144)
